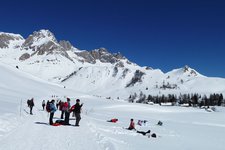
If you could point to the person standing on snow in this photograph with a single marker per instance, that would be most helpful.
(52, 111)
(31, 105)
(62, 108)
(28, 103)
(77, 111)
(43, 104)
(67, 111)
(57, 104)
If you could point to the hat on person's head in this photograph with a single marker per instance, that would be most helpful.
(77, 100)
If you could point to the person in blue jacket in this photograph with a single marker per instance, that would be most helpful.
(53, 110)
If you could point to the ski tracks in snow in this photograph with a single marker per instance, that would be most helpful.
(105, 142)
(35, 133)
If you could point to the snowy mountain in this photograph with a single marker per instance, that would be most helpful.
(98, 71)
(182, 127)
(46, 67)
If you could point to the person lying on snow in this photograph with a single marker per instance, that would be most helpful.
(132, 127)
(114, 120)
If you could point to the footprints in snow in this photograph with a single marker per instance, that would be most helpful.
(104, 142)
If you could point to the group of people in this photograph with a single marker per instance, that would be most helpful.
(132, 127)
(65, 108)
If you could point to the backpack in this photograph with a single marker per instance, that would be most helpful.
(153, 135)
(65, 106)
(48, 109)
(160, 123)
(72, 108)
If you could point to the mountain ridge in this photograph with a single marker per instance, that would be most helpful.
(97, 71)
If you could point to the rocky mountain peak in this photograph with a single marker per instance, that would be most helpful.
(101, 54)
(44, 34)
(186, 68)
(119, 56)
(41, 41)
(66, 44)
(39, 38)
(190, 71)
(102, 50)
(7, 38)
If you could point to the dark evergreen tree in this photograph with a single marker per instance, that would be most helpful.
(211, 100)
(220, 99)
(195, 100)
(132, 98)
(150, 98)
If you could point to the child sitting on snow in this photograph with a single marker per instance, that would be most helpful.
(132, 127)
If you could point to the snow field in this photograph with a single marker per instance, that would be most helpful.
(186, 128)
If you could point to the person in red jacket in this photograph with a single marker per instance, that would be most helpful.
(132, 125)
(67, 111)
(114, 120)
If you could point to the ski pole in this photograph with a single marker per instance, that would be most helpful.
(20, 107)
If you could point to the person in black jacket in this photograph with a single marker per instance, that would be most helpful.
(31, 105)
(77, 111)
(43, 105)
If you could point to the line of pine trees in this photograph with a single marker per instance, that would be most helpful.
(191, 99)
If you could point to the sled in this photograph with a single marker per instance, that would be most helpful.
(56, 124)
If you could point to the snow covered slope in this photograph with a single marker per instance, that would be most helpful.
(97, 72)
(186, 128)
(16, 87)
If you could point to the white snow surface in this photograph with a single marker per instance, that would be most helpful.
(183, 128)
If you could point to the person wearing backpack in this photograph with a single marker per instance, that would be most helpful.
(48, 106)
(52, 111)
(77, 111)
(28, 103)
(67, 111)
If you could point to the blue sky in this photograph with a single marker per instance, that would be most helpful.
(161, 33)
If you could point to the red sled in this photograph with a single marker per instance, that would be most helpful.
(56, 124)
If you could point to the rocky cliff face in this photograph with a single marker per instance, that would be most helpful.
(66, 45)
(7, 38)
(44, 42)
(100, 54)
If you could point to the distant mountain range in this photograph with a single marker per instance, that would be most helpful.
(98, 71)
